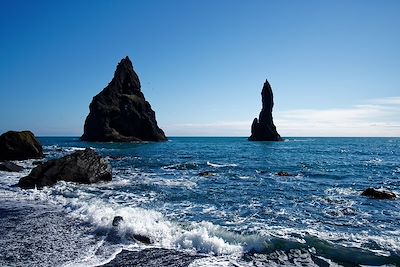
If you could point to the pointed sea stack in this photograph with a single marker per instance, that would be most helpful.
(120, 113)
(264, 129)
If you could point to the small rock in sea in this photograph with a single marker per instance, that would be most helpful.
(143, 239)
(10, 167)
(372, 193)
(85, 167)
(37, 162)
(117, 220)
(283, 174)
(19, 146)
(206, 174)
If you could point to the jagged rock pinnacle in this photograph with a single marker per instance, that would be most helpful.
(263, 128)
(120, 112)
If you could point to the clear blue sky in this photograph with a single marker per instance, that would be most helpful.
(334, 66)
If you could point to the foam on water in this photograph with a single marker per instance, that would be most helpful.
(216, 165)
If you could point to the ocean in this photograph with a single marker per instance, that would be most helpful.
(206, 201)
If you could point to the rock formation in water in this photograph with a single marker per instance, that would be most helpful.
(120, 113)
(19, 146)
(263, 128)
(84, 166)
(372, 193)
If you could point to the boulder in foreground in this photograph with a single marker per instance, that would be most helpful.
(120, 113)
(19, 146)
(372, 193)
(263, 128)
(85, 166)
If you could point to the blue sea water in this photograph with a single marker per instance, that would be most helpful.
(241, 214)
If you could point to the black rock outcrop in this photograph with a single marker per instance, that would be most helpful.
(263, 128)
(120, 113)
(19, 146)
(372, 193)
(8, 166)
(84, 166)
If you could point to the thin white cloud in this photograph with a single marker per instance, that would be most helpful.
(379, 117)
(387, 101)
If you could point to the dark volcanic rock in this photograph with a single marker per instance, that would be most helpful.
(205, 174)
(19, 146)
(281, 173)
(84, 167)
(372, 193)
(117, 221)
(120, 113)
(10, 167)
(264, 129)
(37, 162)
(143, 239)
(152, 257)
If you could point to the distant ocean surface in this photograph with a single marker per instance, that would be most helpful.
(241, 214)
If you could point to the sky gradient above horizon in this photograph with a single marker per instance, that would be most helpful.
(334, 66)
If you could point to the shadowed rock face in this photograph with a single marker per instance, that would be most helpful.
(120, 113)
(263, 128)
(84, 167)
(19, 146)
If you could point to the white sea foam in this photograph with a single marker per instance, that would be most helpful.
(85, 206)
(344, 191)
(374, 161)
(73, 149)
(216, 165)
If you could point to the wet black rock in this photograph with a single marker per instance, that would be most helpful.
(120, 113)
(117, 221)
(377, 194)
(143, 239)
(282, 173)
(10, 167)
(150, 257)
(84, 166)
(206, 174)
(263, 128)
(19, 146)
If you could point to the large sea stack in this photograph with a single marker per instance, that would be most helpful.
(263, 128)
(120, 113)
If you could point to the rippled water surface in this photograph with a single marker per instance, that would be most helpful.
(238, 213)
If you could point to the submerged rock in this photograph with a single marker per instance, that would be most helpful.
(84, 166)
(143, 239)
(19, 146)
(263, 128)
(120, 113)
(282, 173)
(10, 167)
(117, 220)
(372, 193)
(206, 174)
